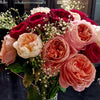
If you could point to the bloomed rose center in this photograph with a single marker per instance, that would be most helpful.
(84, 32)
(27, 39)
(81, 66)
(55, 50)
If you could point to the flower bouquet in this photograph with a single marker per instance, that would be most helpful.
(54, 49)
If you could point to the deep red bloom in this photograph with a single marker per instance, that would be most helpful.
(37, 18)
(18, 30)
(91, 21)
(84, 16)
(55, 14)
(92, 51)
(32, 22)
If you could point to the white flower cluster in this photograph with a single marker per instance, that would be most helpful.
(40, 9)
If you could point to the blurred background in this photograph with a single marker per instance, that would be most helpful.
(91, 7)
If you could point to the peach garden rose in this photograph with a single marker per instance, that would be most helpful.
(28, 45)
(55, 52)
(77, 72)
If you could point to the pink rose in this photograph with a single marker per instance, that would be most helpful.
(77, 72)
(55, 52)
(8, 53)
(28, 45)
(81, 34)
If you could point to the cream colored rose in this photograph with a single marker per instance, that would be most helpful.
(28, 45)
(76, 16)
(97, 30)
(40, 9)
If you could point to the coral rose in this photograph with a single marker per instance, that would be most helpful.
(28, 45)
(77, 72)
(81, 34)
(18, 30)
(8, 53)
(92, 51)
(55, 52)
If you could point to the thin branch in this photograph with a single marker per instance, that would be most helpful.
(23, 78)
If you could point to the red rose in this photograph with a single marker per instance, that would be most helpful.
(37, 18)
(91, 21)
(84, 16)
(18, 30)
(55, 52)
(55, 14)
(92, 51)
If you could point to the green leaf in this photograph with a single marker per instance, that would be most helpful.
(32, 94)
(54, 92)
(27, 80)
(16, 67)
(27, 68)
(62, 89)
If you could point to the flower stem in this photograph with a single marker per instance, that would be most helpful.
(23, 77)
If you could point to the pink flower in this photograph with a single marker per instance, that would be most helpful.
(8, 53)
(55, 52)
(77, 72)
(81, 34)
(28, 45)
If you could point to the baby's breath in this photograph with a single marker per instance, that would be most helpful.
(6, 20)
(73, 4)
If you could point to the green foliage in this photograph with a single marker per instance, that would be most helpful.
(19, 67)
(62, 89)
(54, 92)
(27, 80)
(16, 67)
(32, 94)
